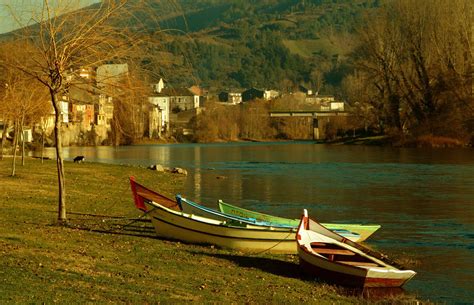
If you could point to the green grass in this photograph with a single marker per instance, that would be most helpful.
(95, 259)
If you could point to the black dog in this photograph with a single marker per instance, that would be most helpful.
(79, 159)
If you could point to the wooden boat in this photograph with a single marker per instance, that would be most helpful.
(191, 207)
(142, 193)
(333, 258)
(177, 225)
(362, 229)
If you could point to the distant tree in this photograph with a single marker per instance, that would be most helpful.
(416, 55)
(23, 102)
(3, 109)
(255, 121)
(130, 107)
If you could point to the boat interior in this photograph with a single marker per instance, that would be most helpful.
(336, 253)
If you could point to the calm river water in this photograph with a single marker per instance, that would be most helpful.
(424, 199)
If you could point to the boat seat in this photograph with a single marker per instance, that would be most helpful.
(363, 264)
(316, 244)
(333, 251)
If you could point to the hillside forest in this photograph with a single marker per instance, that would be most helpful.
(403, 67)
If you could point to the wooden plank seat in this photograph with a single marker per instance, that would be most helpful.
(366, 264)
(333, 251)
(316, 244)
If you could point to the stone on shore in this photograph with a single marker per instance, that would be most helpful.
(174, 170)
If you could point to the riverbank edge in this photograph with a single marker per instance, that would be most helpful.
(107, 254)
(381, 140)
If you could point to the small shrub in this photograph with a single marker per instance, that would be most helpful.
(437, 141)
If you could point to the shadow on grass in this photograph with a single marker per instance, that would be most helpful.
(270, 265)
(139, 227)
(293, 270)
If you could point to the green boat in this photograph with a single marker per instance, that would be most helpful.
(362, 229)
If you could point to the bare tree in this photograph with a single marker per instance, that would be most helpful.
(130, 94)
(365, 109)
(417, 57)
(24, 103)
(3, 111)
(64, 40)
(44, 124)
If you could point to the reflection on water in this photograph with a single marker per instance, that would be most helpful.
(422, 198)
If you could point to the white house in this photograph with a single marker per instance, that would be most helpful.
(337, 106)
(104, 111)
(64, 109)
(159, 86)
(162, 102)
(270, 94)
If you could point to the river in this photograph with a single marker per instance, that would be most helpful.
(423, 198)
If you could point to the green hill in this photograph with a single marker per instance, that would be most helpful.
(262, 43)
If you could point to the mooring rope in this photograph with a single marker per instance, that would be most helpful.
(279, 242)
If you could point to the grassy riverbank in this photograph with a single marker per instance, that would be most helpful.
(95, 259)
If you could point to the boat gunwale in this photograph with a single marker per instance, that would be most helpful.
(222, 224)
(226, 236)
(231, 217)
(351, 227)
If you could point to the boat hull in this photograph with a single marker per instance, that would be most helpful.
(365, 231)
(331, 257)
(349, 276)
(142, 193)
(194, 229)
(194, 208)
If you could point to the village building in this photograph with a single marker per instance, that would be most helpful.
(231, 97)
(81, 106)
(104, 111)
(87, 73)
(324, 102)
(171, 107)
(158, 86)
(305, 90)
(252, 94)
(181, 99)
(270, 94)
(64, 110)
(159, 116)
(82, 115)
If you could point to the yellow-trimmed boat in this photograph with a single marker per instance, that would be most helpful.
(364, 230)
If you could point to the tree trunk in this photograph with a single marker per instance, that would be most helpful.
(59, 159)
(22, 142)
(4, 137)
(15, 143)
(42, 145)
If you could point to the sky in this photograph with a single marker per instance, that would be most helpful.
(23, 10)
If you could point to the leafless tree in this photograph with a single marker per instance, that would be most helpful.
(417, 57)
(130, 94)
(24, 103)
(65, 38)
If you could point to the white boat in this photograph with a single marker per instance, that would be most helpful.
(335, 259)
(177, 225)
